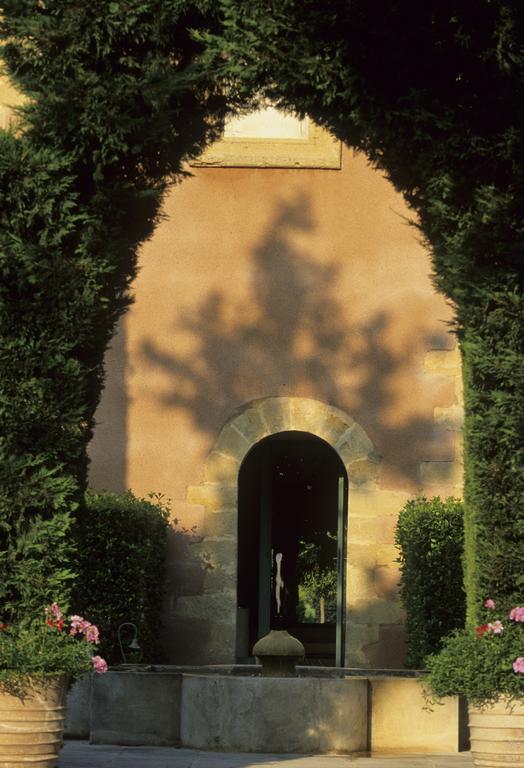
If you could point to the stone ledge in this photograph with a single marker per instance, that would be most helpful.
(400, 722)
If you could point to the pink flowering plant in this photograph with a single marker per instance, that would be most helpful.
(484, 663)
(51, 645)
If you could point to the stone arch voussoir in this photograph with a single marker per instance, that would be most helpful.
(258, 419)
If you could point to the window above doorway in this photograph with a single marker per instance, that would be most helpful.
(270, 138)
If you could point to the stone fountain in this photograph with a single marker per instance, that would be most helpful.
(279, 653)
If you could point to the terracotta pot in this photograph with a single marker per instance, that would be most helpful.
(31, 728)
(497, 735)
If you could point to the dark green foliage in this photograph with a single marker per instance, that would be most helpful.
(41, 397)
(433, 93)
(121, 549)
(317, 578)
(479, 664)
(430, 536)
(115, 105)
(494, 377)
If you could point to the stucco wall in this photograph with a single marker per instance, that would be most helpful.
(9, 98)
(282, 283)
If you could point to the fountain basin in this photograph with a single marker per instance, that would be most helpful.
(235, 709)
(261, 714)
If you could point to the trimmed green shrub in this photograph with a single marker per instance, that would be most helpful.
(430, 536)
(121, 565)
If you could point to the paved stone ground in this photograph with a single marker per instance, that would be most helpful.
(80, 754)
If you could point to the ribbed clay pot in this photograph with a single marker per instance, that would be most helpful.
(497, 735)
(31, 727)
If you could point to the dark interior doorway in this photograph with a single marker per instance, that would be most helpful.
(291, 545)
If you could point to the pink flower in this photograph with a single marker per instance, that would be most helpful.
(91, 633)
(518, 665)
(76, 623)
(517, 614)
(496, 627)
(54, 611)
(79, 625)
(489, 603)
(99, 665)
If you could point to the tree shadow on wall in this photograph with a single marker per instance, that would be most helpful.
(293, 336)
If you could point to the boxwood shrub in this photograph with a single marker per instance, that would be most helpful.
(430, 536)
(121, 553)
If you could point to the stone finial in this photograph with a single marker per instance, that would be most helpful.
(278, 652)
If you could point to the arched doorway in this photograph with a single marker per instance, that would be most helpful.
(224, 627)
(292, 513)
